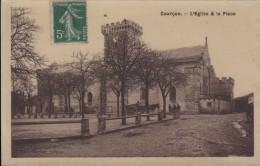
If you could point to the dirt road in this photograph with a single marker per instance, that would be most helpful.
(191, 135)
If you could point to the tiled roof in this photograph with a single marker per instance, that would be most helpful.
(186, 52)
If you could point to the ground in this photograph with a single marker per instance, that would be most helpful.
(191, 135)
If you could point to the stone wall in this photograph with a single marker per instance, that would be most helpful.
(215, 106)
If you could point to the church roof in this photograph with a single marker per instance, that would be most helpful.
(186, 52)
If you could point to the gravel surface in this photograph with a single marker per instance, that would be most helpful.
(66, 129)
(189, 136)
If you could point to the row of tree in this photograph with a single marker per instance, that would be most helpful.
(130, 64)
(127, 64)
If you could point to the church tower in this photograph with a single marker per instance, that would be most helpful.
(111, 33)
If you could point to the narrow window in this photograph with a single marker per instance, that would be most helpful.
(89, 97)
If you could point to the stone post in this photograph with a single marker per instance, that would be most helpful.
(160, 116)
(35, 115)
(101, 124)
(176, 115)
(138, 119)
(148, 117)
(84, 126)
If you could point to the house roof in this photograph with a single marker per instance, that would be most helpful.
(244, 96)
(187, 52)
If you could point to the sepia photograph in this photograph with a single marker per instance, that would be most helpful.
(128, 79)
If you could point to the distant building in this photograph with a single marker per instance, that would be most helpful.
(243, 103)
(92, 99)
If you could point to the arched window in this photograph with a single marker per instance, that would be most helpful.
(173, 94)
(90, 97)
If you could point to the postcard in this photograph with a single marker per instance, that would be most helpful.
(89, 82)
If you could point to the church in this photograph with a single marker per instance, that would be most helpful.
(203, 92)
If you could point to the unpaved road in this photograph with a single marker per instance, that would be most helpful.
(191, 135)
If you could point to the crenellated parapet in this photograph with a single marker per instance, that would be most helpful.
(125, 25)
(225, 80)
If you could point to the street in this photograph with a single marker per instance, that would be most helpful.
(191, 135)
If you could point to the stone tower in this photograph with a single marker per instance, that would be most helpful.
(111, 32)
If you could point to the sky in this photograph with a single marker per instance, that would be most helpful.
(233, 41)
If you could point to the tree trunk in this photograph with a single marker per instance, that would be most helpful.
(50, 106)
(117, 104)
(69, 105)
(80, 109)
(82, 104)
(147, 98)
(164, 106)
(66, 104)
(123, 101)
(29, 106)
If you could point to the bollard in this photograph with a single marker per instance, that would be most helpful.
(148, 117)
(101, 124)
(84, 126)
(35, 115)
(160, 116)
(176, 115)
(138, 119)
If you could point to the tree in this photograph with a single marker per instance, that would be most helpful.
(121, 57)
(66, 84)
(47, 83)
(24, 60)
(147, 71)
(29, 89)
(84, 67)
(113, 85)
(168, 76)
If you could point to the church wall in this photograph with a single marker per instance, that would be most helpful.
(213, 106)
(59, 101)
(192, 94)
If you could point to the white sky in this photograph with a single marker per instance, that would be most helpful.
(234, 42)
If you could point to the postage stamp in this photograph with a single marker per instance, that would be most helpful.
(69, 21)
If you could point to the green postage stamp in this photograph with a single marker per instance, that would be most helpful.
(69, 21)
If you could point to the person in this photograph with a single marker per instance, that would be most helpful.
(178, 107)
(174, 107)
(170, 108)
(68, 20)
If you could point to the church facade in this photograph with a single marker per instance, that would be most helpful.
(203, 92)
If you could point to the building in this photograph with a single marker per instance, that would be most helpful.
(203, 92)
(92, 96)
(243, 103)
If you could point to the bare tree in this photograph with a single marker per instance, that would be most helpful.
(168, 76)
(147, 66)
(66, 84)
(24, 60)
(113, 85)
(84, 66)
(77, 94)
(30, 89)
(47, 87)
(121, 56)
